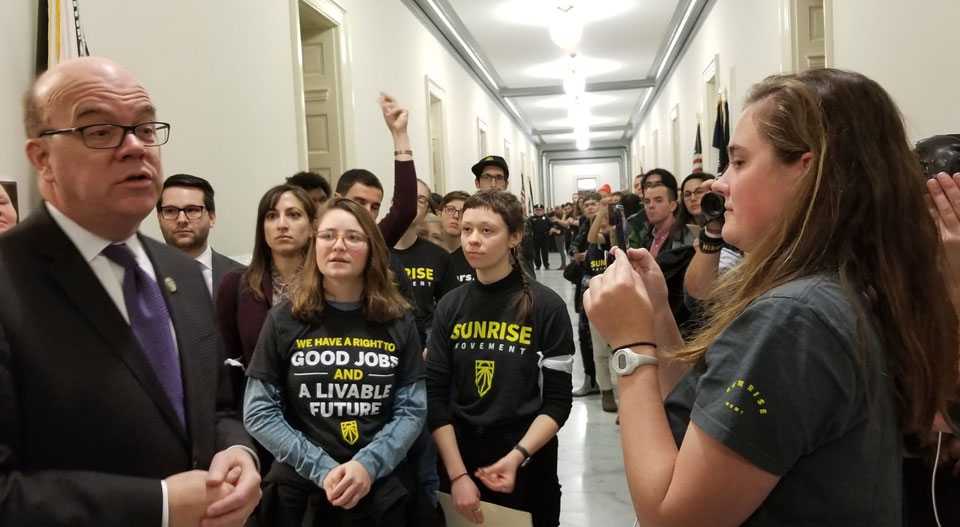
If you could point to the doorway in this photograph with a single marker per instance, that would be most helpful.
(322, 144)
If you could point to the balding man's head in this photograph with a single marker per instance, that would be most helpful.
(105, 186)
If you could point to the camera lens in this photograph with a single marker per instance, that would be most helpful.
(711, 207)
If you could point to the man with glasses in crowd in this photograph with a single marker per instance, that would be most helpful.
(451, 210)
(109, 360)
(187, 212)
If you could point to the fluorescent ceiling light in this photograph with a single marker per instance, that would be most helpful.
(566, 28)
(583, 143)
(574, 85)
(585, 66)
(540, 12)
(675, 37)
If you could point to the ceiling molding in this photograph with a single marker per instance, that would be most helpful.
(540, 91)
(698, 9)
(422, 11)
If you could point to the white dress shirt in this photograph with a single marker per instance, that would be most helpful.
(206, 267)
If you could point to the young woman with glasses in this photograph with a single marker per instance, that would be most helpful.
(335, 388)
(829, 341)
(498, 378)
(690, 196)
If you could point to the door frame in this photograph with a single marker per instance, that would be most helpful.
(335, 15)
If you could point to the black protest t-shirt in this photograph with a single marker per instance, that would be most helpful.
(428, 267)
(340, 376)
(487, 368)
(596, 261)
(462, 271)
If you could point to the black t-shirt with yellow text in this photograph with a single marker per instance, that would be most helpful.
(339, 377)
(427, 265)
(485, 368)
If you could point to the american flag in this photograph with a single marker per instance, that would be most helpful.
(523, 193)
(697, 152)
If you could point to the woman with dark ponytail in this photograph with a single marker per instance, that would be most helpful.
(498, 373)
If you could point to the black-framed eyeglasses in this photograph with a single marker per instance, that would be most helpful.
(695, 194)
(450, 210)
(192, 212)
(499, 178)
(107, 136)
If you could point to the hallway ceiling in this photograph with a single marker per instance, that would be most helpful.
(625, 44)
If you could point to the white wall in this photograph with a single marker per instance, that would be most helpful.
(908, 48)
(18, 36)
(565, 177)
(390, 50)
(745, 36)
(911, 50)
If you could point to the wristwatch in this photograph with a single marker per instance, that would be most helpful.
(625, 360)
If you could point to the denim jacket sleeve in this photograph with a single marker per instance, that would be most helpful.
(389, 446)
(263, 418)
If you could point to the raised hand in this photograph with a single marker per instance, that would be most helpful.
(393, 114)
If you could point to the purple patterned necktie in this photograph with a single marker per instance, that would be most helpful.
(150, 322)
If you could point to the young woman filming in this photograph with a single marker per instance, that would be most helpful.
(335, 389)
(498, 373)
(830, 340)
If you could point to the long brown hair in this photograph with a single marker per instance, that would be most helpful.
(511, 211)
(262, 254)
(858, 211)
(382, 301)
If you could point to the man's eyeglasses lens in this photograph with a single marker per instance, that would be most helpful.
(112, 135)
(695, 194)
(450, 210)
(192, 212)
(499, 178)
(422, 201)
(353, 240)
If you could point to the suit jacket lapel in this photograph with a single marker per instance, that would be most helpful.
(83, 289)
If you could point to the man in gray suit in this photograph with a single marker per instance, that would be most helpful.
(109, 365)
(187, 211)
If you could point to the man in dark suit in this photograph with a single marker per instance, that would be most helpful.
(108, 346)
(187, 211)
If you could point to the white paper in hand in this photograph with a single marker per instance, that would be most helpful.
(493, 515)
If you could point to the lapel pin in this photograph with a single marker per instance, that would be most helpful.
(171, 285)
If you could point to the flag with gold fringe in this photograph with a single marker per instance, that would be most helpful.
(60, 34)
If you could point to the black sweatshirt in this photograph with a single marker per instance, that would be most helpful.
(486, 369)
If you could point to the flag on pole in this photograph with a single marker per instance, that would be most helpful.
(726, 133)
(721, 137)
(60, 35)
(523, 193)
(532, 199)
(697, 152)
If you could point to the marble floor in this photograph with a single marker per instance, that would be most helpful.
(591, 463)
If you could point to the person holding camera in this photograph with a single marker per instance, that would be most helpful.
(828, 342)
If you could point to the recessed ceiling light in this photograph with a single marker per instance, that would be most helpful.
(585, 66)
(583, 143)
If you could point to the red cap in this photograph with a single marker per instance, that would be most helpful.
(605, 189)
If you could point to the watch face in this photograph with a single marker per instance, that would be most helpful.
(621, 361)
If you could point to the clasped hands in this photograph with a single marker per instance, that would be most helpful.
(500, 477)
(223, 496)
